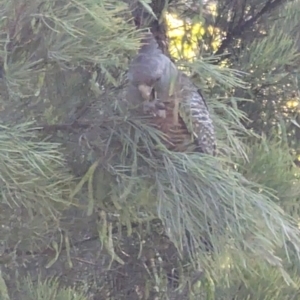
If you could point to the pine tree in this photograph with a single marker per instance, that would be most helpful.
(90, 194)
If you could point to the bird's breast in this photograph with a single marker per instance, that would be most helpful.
(177, 136)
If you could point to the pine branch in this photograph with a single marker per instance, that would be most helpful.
(240, 28)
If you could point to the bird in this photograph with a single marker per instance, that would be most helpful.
(175, 103)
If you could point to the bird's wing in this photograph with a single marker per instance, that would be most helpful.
(194, 112)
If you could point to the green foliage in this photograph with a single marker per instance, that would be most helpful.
(270, 164)
(267, 287)
(270, 55)
(42, 34)
(240, 202)
(32, 171)
(192, 194)
(48, 290)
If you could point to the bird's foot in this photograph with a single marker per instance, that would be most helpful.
(155, 107)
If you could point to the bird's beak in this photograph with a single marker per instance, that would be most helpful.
(146, 91)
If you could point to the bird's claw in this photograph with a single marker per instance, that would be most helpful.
(155, 107)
